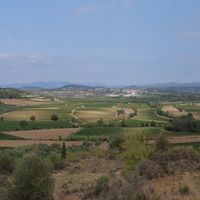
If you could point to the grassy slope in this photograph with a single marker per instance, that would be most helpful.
(14, 125)
(148, 114)
(4, 136)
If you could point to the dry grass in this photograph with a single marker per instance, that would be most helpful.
(22, 102)
(107, 114)
(173, 111)
(196, 115)
(19, 143)
(41, 115)
(77, 175)
(94, 115)
(168, 187)
(44, 133)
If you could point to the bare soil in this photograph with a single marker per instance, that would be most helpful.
(22, 102)
(180, 139)
(44, 133)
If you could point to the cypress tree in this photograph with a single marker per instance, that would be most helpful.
(63, 153)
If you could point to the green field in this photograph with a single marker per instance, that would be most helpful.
(137, 133)
(109, 132)
(149, 114)
(81, 112)
(15, 125)
(4, 136)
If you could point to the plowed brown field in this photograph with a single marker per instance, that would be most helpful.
(44, 133)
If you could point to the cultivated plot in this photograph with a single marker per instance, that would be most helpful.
(44, 134)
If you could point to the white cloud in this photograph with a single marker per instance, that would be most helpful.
(105, 5)
(190, 35)
(26, 57)
(7, 55)
(86, 9)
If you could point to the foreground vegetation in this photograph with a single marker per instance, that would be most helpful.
(121, 148)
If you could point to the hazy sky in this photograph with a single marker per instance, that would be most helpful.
(102, 41)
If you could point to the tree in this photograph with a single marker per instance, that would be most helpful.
(33, 180)
(23, 123)
(100, 122)
(63, 153)
(54, 117)
(162, 142)
(123, 123)
(152, 123)
(7, 163)
(33, 118)
(189, 116)
(117, 143)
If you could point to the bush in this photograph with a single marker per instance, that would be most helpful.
(161, 143)
(54, 117)
(57, 162)
(130, 188)
(123, 123)
(1, 119)
(101, 185)
(152, 123)
(23, 123)
(150, 169)
(184, 189)
(135, 153)
(184, 124)
(117, 143)
(33, 118)
(6, 163)
(100, 122)
(33, 180)
(44, 149)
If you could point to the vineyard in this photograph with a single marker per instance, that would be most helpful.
(139, 133)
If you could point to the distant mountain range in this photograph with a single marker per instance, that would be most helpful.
(174, 85)
(66, 86)
(35, 85)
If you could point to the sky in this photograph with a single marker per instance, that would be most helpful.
(113, 42)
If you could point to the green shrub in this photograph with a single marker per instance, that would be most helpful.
(123, 123)
(45, 150)
(117, 143)
(23, 124)
(99, 187)
(161, 143)
(7, 163)
(135, 152)
(57, 162)
(33, 118)
(100, 122)
(130, 188)
(101, 184)
(54, 117)
(33, 180)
